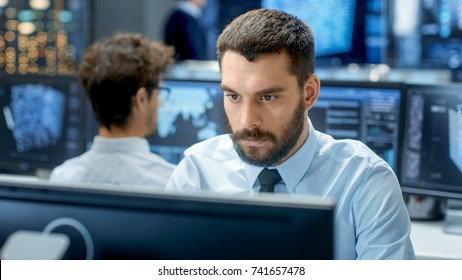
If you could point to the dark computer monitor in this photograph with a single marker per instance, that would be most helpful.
(41, 122)
(431, 160)
(431, 157)
(365, 111)
(105, 224)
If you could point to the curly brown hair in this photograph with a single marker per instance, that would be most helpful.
(112, 71)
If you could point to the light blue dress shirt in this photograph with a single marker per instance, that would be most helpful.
(371, 219)
(116, 161)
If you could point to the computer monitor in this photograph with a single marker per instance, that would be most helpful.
(105, 224)
(355, 34)
(431, 159)
(41, 122)
(432, 140)
(425, 34)
(192, 113)
(365, 111)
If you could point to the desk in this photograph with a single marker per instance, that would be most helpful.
(430, 242)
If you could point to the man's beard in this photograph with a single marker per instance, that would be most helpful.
(289, 137)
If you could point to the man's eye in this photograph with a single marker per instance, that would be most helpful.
(267, 97)
(233, 97)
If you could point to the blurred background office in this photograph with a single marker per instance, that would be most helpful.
(372, 35)
(184, 30)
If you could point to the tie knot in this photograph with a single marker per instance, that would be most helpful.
(268, 178)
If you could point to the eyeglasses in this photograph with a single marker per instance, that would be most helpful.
(163, 92)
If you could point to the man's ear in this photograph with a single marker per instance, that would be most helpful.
(312, 87)
(140, 99)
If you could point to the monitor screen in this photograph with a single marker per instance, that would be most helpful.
(192, 113)
(41, 122)
(354, 35)
(104, 224)
(425, 34)
(365, 111)
(431, 160)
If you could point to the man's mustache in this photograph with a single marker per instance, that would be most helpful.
(254, 134)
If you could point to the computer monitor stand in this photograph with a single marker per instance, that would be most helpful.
(453, 220)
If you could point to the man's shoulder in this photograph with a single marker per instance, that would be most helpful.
(68, 168)
(346, 149)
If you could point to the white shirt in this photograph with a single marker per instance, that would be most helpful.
(190, 9)
(371, 219)
(116, 161)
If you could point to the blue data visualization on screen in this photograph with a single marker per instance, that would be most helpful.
(193, 112)
(41, 122)
(332, 26)
(365, 111)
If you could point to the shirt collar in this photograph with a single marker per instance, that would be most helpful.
(122, 144)
(293, 169)
(190, 9)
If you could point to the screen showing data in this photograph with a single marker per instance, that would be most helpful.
(193, 112)
(364, 111)
(41, 122)
(432, 144)
(354, 33)
(332, 34)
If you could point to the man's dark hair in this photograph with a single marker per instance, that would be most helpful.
(266, 31)
(112, 71)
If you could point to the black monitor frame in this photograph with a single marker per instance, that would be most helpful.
(69, 143)
(136, 225)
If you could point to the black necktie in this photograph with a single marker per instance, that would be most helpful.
(268, 178)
